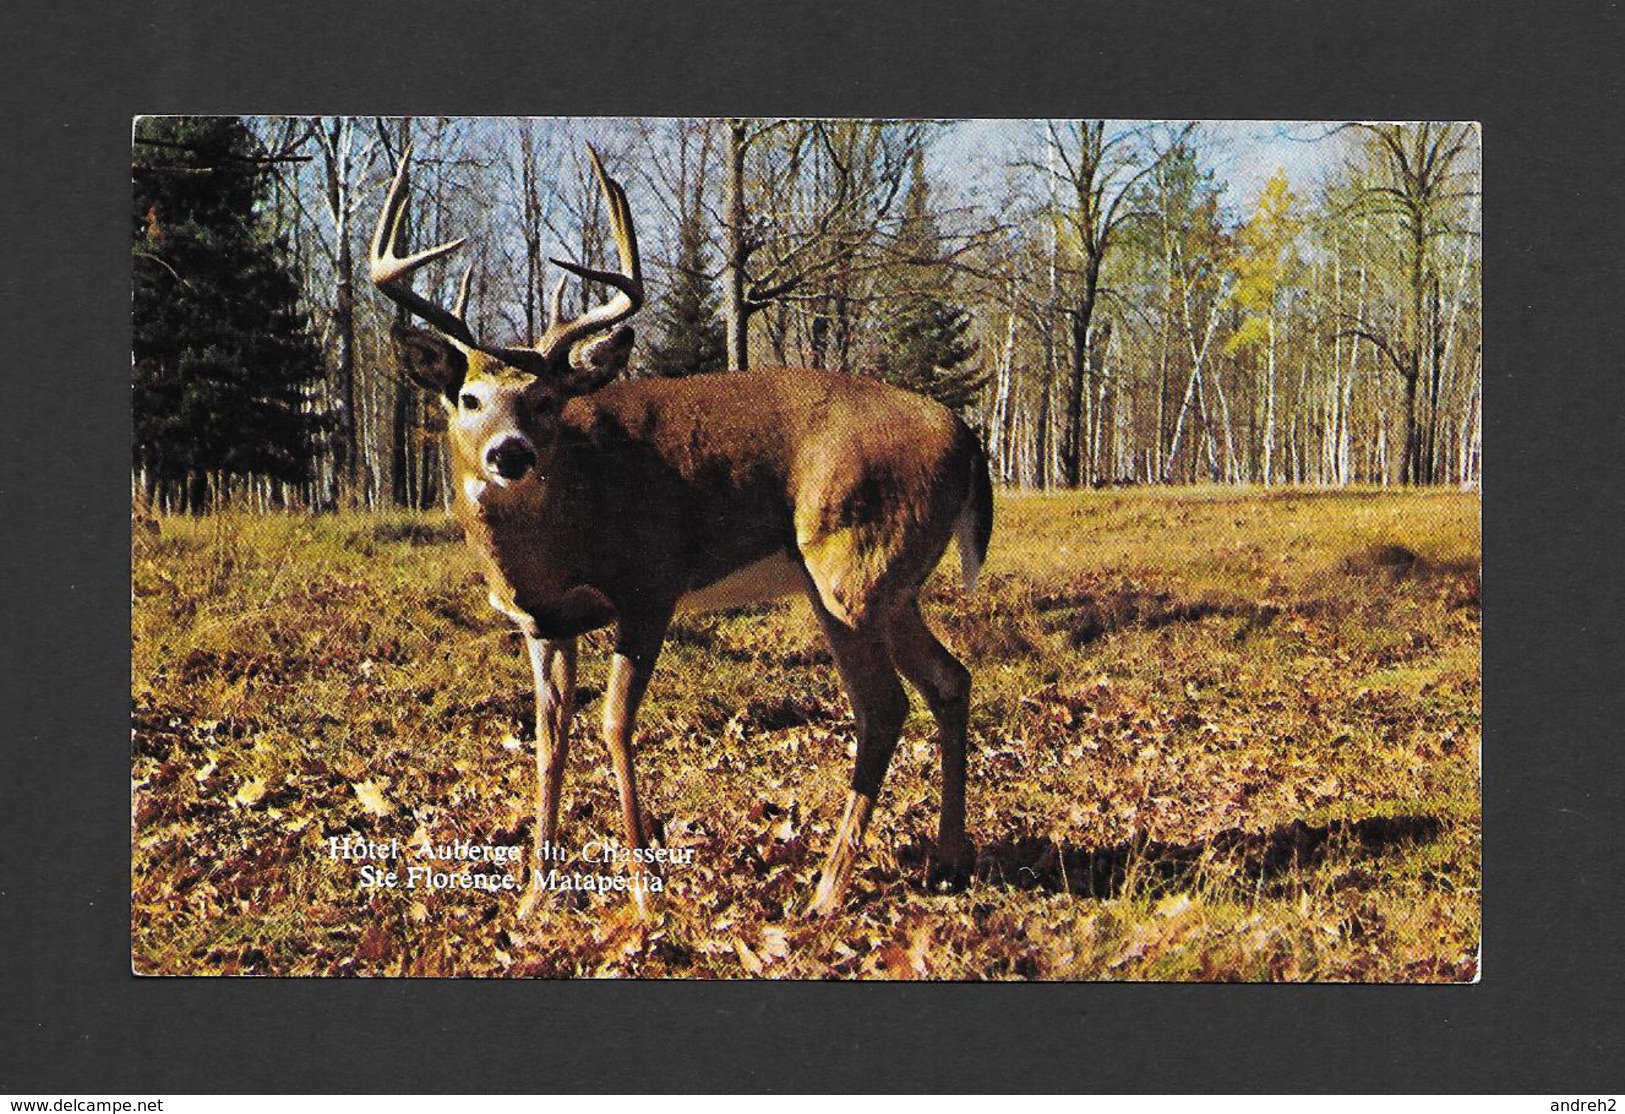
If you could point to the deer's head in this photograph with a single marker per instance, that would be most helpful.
(503, 403)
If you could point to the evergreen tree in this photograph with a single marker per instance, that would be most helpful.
(923, 344)
(924, 348)
(691, 337)
(224, 360)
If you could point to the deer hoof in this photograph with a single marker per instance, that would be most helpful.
(951, 867)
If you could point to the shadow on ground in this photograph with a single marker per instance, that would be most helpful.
(1035, 863)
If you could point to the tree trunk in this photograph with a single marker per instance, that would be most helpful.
(1165, 341)
(737, 252)
(1046, 420)
(346, 459)
(1072, 432)
(531, 217)
(1269, 404)
(1472, 429)
(1073, 444)
(1434, 461)
(400, 446)
(1232, 468)
(1102, 428)
(1412, 473)
(1345, 445)
(198, 499)
(344, 330)
(1001, 419)
(1007, 409)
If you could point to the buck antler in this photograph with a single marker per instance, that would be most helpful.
(392, 275)
(628, 281)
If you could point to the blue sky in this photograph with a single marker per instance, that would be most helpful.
(1243, 152)
(972, 159)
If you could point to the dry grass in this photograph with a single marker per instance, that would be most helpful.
(1216, 735)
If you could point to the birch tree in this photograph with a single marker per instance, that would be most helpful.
(1264, 266)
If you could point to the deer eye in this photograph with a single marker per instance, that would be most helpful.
(471, 401)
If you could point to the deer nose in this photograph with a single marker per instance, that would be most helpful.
(511, 458)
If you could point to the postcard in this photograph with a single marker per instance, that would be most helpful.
(806, 548)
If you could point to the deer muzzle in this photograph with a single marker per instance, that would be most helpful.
(510, 459)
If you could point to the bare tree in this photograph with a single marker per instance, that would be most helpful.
(1098, 171)
(817, 200)
(1428, 179)
(347, 155)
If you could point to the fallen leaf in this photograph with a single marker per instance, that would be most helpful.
(752, 963)
(775, 943)
(371, 796)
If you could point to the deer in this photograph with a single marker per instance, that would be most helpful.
(595, 501)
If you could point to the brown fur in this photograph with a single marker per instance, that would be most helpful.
(651, 490)
(702, 476)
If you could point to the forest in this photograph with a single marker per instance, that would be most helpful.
(1107, 302)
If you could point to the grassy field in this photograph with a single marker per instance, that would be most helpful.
(1215, 735)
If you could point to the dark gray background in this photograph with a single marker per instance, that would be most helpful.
(1547, 1016)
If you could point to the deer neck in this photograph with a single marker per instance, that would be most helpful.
(534, 545)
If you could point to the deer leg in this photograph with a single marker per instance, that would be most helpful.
(553, 665)
(881, 706)
(945, 683)
(637, 645)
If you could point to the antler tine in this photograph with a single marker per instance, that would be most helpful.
(620, 215)
(460, 309)
(556, 312)
(628, 282)
(391, 271)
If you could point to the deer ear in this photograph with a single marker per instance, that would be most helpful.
(429, 359)
(596, 361)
